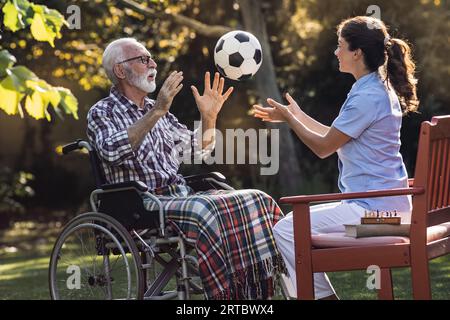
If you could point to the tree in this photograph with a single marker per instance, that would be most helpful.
(18, 82)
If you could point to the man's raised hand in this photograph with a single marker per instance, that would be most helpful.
(171, 86)
(212, 100)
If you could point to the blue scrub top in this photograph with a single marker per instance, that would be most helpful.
(371, 160)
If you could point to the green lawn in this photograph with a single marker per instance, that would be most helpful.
(25, 252)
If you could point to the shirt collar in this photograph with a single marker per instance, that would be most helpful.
(363, 80)
(126, 103)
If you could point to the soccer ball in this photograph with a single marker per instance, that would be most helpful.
(238, 55)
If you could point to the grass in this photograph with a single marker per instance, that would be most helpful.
(25, 250)
(24, 256)
(352, 285)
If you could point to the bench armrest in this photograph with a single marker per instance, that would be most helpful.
(351, 195)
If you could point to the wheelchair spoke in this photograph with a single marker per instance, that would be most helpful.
(80, 237)
(95, 258)
(84, 254)
(91, 249)
(79, 264)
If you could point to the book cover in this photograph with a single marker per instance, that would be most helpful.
(376, 230)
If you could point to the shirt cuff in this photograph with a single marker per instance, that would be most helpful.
(200, 152)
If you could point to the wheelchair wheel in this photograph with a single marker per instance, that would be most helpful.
(95, 258)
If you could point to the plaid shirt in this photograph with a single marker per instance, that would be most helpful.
(154, 162)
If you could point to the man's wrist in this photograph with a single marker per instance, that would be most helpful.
(209, 118)
(158, 112)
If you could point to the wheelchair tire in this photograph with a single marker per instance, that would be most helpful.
(95, 257)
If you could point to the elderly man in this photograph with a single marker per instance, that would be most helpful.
(134, 137)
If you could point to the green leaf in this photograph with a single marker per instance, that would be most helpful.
(47, 23)
(56, 19)
(68, 102)
(53, 97)
(19, 75)
(24, 73)
(7, 60)
(20, 81)
(42, 31)
(35, 106)
(13, 19)
(48, 93)
(10, 98)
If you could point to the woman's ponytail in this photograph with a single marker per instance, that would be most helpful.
(400, 72)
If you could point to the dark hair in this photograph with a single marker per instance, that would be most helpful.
(379, 49)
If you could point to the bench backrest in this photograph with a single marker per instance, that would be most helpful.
(433, 173)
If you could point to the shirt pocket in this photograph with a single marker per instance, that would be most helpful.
(147, 149)
(170, 150)
(166, 141)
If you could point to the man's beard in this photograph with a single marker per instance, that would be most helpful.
(141, 81)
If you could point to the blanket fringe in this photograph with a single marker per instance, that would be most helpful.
(255, 282)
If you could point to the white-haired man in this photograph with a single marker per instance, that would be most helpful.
(135, 136)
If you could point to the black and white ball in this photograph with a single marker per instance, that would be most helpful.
(238, 55)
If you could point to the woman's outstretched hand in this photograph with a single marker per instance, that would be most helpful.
(277, 112)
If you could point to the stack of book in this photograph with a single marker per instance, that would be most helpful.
(376, 224)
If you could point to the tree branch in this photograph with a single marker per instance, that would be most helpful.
(201, 28)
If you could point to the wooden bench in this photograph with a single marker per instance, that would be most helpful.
(429, 236)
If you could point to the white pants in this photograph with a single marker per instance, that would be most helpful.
(325, 218)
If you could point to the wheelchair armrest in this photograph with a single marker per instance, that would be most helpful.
(197, 177)
(76, 145)
(139, 185)
(206, 181)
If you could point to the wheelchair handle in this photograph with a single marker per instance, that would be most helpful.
(76, 145)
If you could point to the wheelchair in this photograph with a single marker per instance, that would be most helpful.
(120, 250)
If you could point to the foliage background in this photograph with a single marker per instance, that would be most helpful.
(302, 41)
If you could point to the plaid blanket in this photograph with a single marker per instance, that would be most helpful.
(232, 233)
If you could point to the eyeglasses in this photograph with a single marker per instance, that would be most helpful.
(144, 59)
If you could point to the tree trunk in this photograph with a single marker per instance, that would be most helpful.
(25, 155)
(266, 86)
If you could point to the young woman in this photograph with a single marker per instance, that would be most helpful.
(365, 135)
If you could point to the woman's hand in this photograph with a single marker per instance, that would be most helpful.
(278, 112)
